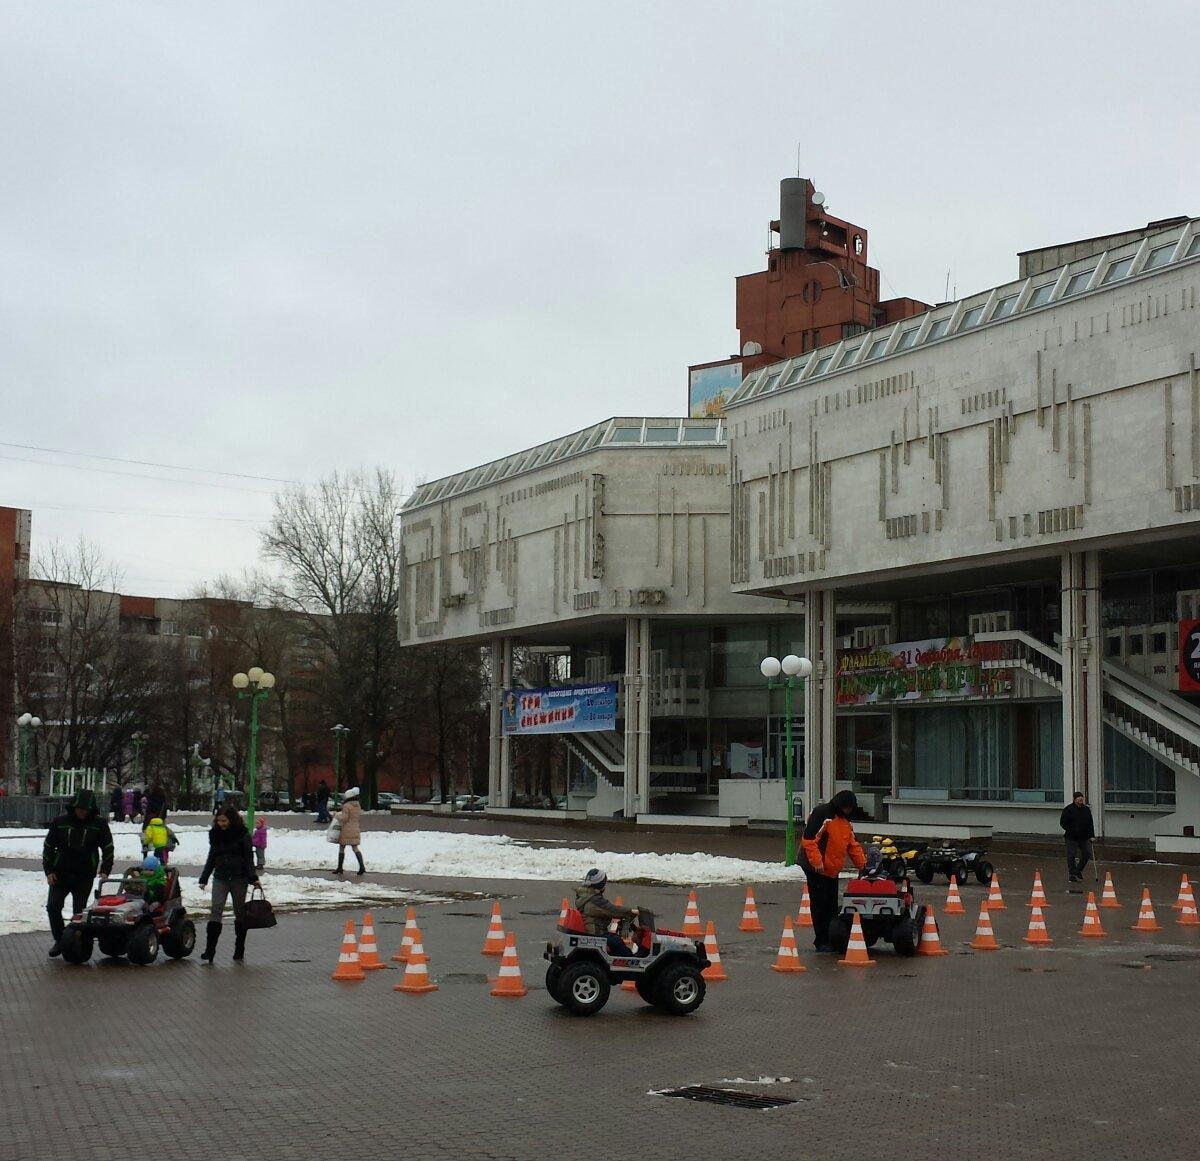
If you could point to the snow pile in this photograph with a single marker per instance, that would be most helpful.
(23, 897)
(454, 855)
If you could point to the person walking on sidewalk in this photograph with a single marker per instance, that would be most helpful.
(349, 829)
(77, 844)
(1078, 830)
(322, 801)
(230, 864)
(828, 840)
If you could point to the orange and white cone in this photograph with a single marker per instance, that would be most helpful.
(788, 959)
(856, 950)
(1108, 897)
(954, 903)
(368, 950)
(562, 911)
(1037, 932)
(692, 927)
(509, 982)
(1187, 911)
(1184, 888)
(715, 972)
(995, 900)
(750, 920)
(1146, 920)
(416, 980)
(985, 937)
(493, 944)
(348, 966)
(931, 941)
(804, 915)
(1037, 897)
(410, 925)
(1091, 919)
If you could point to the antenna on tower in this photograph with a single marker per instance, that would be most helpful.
(946, 296)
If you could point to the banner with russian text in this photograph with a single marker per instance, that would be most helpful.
(565, 709)
(942, 667)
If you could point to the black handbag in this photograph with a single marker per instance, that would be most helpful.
(258, 912)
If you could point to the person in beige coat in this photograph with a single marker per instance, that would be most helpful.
(349, 829)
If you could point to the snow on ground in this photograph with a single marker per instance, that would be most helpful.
(23, 897)
(456, 855)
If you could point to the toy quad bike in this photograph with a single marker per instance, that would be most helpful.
(895, 861)
(664, 966)
(125, 923)
(954, 863)
(885, 907)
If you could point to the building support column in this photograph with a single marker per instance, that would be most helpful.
(643, 750)
(633, 699)
(495, 721)
(1083, 677)
(503, 797)
(820, 696)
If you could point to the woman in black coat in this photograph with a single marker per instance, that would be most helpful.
(230, 863)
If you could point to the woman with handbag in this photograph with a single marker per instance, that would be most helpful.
(346, 830)
(230, 864)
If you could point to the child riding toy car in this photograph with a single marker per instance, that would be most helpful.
(885, 907)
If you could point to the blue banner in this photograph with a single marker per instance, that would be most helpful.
(566, 709)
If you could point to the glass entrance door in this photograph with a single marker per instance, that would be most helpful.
(777, 749)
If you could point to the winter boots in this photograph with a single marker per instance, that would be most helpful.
(362, 867)
(341, 860)
(212, 933)
(239, 942)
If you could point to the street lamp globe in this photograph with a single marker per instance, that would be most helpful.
(795, 666)
(35, 722)
(266, 681)
(24, 720)
(240, 680)
(255, 673)
(771, 667)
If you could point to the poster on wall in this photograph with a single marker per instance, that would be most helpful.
(709, 389)
(745, 761)
(942, 667)
(565, 709)
(1189, 656)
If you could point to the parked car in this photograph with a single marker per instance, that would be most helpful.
(387, 799)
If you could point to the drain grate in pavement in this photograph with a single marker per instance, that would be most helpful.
(463, 978)
(1174, 956)
(296, 961)
(726, 1096)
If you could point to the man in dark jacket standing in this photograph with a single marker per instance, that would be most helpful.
(1079, 830)
(828, 841)
(322, 801)
(77, 844)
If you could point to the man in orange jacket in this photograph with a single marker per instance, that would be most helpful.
(828, 839)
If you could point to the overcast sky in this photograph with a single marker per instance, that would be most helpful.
(280, 239)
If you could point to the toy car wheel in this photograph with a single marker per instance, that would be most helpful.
(924, 871)
(958, 872)
(76, 947)
(904, 935)
(680, 989)
(181, 941)
(584, 988)
(870, 937)
(839, 934)
(143, 945)
(984, 871)
(896, 866)
(553, 979)
(646, 989)
(112, 946)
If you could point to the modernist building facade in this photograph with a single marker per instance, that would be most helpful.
(979, 521)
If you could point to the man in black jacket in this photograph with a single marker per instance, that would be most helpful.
(77, 844)
(1079, 830)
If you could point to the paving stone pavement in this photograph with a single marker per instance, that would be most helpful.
(1084, 1050)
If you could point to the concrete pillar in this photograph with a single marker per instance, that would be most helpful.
(643, 750)
(633, 688)
(496, 727)
(1083, 678)
(505, 757)
(820, 696)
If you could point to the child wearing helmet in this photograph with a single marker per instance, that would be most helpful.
(598, 912)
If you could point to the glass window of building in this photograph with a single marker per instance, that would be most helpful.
(1118, 270)
(938, 328)
(698, 434)
(907, 338)
(1078, 283)
(1040, 296)
(795, 373)
(1194, 248)
(1159, 257)
(1004, 307)
(849, 355)
(823, 364)
(627, 435)
(877, 347)
(663, 434)
(737, 651)
(971, 317)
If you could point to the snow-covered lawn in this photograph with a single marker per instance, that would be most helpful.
(23, 897)
(457, 855)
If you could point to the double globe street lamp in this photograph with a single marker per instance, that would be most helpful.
(339, 732)
(793, 670)
(262, 683)
(27, 724)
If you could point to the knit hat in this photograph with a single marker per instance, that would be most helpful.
(151, 863)
(595, 878)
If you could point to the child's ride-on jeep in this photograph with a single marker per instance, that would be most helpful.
(954, 864)
(664, 966)
(885, 908)
(126, 924)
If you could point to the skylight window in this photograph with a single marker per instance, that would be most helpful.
(1159, 256)
(1004, 307)
(823, 364)
(662, 434)
(698, 434)
(1078, 282)
(877, 348)
(1118, 270)
(849, 356)
(972, 317)
(1194, 248)
(938, 329)
(1040, 296)
(795, 373)
(627, 435)
(907, 338)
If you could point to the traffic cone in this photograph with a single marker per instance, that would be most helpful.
(715, 972)
(804, 915)
(1184, 887)
(368, 951)
(493, 944)
(416, 971)
(1038, 896)
(954, 903)
(750, 920)
(1109, 896)
(1187, 912)
(1037, 932)
(995, 900)
(1091, 919)
(562, 911)
(410, 925)
(1146, 921)
(856, 950)
(509, 982)
(788, 959)
(348, 966)
(985, 937)
(691, 918)
(931, 941)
